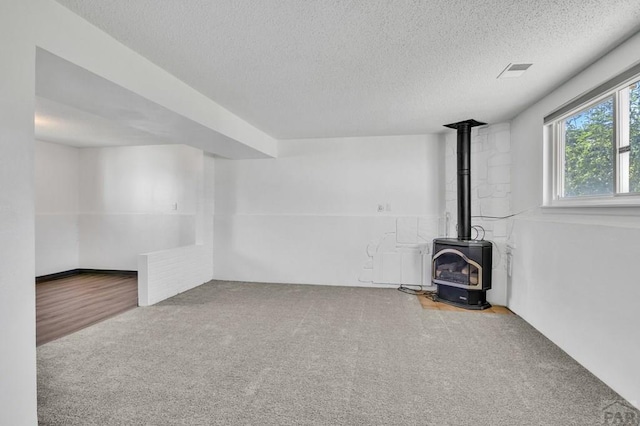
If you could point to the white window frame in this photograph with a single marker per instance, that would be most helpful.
(555, 149)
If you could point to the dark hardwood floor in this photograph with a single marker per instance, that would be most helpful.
(69, 304)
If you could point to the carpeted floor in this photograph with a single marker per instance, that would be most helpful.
(256, 354)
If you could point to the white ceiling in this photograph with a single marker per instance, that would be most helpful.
(60, 123)
(323, 68)
(78, 108)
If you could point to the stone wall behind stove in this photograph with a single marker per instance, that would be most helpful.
(490, 195)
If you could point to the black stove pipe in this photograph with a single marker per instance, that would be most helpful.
(464, 175)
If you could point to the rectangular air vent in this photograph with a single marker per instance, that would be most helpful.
(514, 70)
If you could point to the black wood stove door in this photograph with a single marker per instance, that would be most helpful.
(452, 267)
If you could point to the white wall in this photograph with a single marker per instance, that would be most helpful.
(57, 179)
(575, 274)
(165, 273)
(308, 216)
(17, 290)
(490, 195)
(45, 23)
(136, 200)
(99, 208)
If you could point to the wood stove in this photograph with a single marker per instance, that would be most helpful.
(462, 267)
(462, 271)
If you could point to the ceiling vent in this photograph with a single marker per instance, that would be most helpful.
(514, 70)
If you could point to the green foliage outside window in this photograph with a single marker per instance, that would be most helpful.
(588, 167)
(634, 137)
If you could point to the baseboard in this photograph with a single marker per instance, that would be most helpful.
(72, 272)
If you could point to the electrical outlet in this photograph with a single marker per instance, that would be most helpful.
(388, 207)
(380, 208)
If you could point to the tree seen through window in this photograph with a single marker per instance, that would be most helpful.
(589, 161)
(634, 137)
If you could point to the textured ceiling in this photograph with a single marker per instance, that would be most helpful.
(76, 107)
(322, 68)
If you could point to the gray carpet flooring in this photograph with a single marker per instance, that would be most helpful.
(257, 354)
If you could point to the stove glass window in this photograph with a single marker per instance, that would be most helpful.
(452, 267)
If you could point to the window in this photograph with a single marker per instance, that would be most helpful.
(588, 154)
(595, 143)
